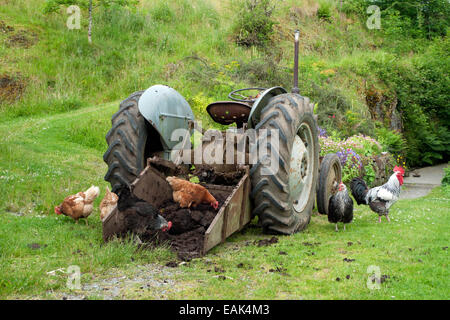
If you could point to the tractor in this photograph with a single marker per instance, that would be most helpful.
(284, 200)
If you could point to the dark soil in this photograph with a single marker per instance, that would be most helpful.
(188, 226)
(172, 264)
(266, 242)
(21, 39)
(205, 173)
(208, 174)
(5, 28)
(311, 244)
(35, 246)
(11, 88)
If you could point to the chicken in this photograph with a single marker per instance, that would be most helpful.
(140, 216)
(380, 199)
(108, 204)
(340, 207)
(189, 194)
(79, 205)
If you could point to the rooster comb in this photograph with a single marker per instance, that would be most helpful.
(399, 169)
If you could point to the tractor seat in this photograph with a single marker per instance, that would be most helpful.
(227, 112)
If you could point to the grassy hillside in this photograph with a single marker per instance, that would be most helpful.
(188, 44)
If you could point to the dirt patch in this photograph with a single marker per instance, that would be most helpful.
(36, 246)
(151, 280)
(311, 244)
(11, 88)
(266, 242)
(188, 226)
(5, 28)
(21, 39)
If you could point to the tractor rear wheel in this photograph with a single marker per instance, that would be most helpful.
(126, 140)
(284, 199)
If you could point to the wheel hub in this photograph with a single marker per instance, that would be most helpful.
(301, 168)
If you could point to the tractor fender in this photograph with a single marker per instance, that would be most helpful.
(261, 102)
(166, 110)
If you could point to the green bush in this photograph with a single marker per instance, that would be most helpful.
(421, 88)
(390, 140)
(324, 11)
(415, 18)
(253, 26)
(335, 112)
(446, 179)
(162, 13)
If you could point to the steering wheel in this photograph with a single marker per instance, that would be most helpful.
(237, 96)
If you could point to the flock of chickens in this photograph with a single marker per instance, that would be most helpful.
(379, 199)
(188, 194)
(185, 193)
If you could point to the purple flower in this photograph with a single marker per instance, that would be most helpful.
(349, 156)
(322, 132)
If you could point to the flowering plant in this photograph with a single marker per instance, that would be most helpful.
(355, 154)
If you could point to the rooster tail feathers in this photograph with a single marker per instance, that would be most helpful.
(359, 190)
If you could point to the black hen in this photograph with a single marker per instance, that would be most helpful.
(139, 215)
(340, 207)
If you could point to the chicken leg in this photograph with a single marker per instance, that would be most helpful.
(336, 229)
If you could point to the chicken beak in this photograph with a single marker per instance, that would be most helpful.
(215, 205)
(57, 210)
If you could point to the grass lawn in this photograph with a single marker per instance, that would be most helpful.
(45, 158)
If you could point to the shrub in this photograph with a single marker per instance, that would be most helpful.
(254, 23)
(163, 13)
(335, 112)
(422, 90)
(390, 140)
(415, 18)
(324, 11)
(446, 179)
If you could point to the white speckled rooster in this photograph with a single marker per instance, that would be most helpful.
(380, 199)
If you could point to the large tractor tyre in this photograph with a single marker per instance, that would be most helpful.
(126, 140)
(283, 200)
(329, 178)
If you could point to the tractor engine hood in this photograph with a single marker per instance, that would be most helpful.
(166, 110)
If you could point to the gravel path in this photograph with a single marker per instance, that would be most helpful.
(416, 187)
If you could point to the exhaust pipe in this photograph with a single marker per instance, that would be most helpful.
(295, 89)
